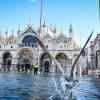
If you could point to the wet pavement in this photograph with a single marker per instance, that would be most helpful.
(26, 86)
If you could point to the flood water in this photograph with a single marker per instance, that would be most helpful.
(26, 86)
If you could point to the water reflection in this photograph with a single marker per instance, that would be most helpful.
(26, 86)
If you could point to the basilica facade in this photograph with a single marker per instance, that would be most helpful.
(24, 48)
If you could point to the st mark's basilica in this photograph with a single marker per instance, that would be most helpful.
(24, 48)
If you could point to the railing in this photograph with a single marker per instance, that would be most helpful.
(28, 45)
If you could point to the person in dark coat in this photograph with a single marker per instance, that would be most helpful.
(22, 67)
(26, 67)
(18, 67)
(8, 66)
(46, 65)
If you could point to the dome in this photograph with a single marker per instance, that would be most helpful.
(47, 39)
(11, 39)
(45, 31)
(47, 36)
(61, 38)
(2, 40)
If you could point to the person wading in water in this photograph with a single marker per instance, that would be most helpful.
(46, 66)
(36, 67)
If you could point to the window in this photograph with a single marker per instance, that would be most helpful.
(29, 39)
(99, 44)
(29, 45)
(69, 61)
(35, 45)
(32, 45)
(25, 44)
(47, 46)
(11, 46)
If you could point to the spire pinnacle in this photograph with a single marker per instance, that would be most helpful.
(54, 29)
(61, 30)
(44, 24)
(70, 31)
(30, 22)
(6, 33)
(18, 32)
(47, 31)
(0, 33)
(12, 32)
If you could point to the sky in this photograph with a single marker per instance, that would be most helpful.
(83, 14)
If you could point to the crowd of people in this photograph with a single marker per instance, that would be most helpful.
(36, 68)
(28, 67)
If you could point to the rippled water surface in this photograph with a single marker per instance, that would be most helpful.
(26, 86)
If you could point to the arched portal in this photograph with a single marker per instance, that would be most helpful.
(44, 59)
(25, 56)
(98, 58)
(7, 58)
(62, 59)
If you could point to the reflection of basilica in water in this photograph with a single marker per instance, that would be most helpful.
(24, 48)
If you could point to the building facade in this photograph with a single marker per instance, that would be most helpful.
(95, 53)
(24, 48)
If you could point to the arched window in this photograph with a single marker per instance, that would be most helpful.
(29, 40)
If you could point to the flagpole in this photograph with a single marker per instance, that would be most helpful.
(99, 12)
(40, 31)
(41, 16)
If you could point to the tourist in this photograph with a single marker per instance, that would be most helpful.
(31, 68)
(22, 67)
(8, 66)
(18, 67)
(46, 66)
(3, 67)
(26, 67)
(36, 67)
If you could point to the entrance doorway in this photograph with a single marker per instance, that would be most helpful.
(25, 56)
(7, 59)
(62, 59)
(45, 58)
